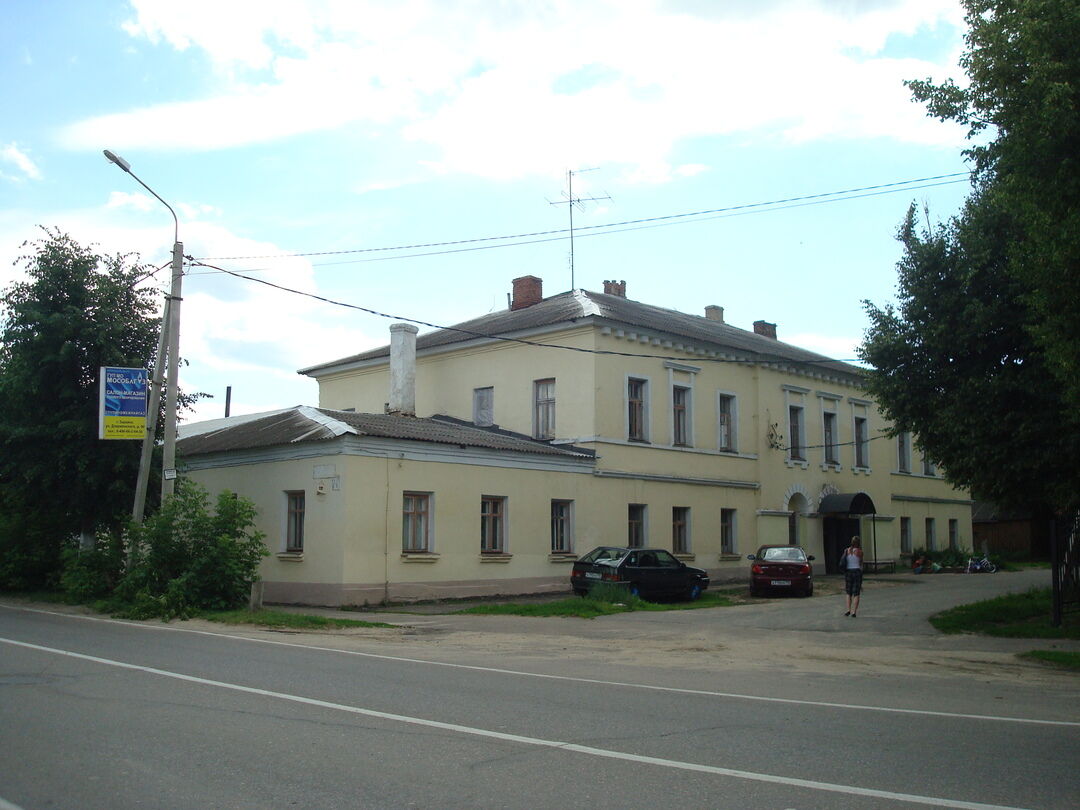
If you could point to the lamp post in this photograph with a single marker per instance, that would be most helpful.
(170, 329)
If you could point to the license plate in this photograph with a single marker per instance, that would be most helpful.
(780, 582)
(591, 575)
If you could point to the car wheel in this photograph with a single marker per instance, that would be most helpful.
(694, 593)
(809, 590)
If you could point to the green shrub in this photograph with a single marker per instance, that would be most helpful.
(94, 572)
(186, 558)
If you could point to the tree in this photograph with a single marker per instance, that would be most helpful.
(981, 356)
(75, 312)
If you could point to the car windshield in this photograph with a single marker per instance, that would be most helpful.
(783, 554)
(605, 554)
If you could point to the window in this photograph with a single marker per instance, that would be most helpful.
(931, 535)
(905, 535)
(483, 406)
(680, 529)
(562, 527)
(954, 534)
(727, 531)
(828, 427)
(492, 525)
(903, 452)
(636, 390)
(635, 523)
(544, 409)
(416, 522)
(862, 443)
(725, 423)
(680, 424)
(928, 466)
(294, 522)
(795, 433)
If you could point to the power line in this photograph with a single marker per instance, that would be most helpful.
(755, 357)
(894, 185)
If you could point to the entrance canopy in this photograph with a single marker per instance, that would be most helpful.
(845, 503)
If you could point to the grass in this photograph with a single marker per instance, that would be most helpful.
(600, 603)
(1018, 615)
(279, 619)
(1061, 658)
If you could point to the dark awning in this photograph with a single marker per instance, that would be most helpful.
(847, 503)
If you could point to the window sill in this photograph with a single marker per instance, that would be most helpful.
(633, 440)
(495, 557)
(831, 465)
(291, 556)
(863, 470)
(562, 557)
(726, 556)
(419, 556)
(797, 462)
(685, 556)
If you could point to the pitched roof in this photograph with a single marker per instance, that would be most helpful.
(306, 424)
(583, 305)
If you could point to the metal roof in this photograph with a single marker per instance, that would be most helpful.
(305, 424)
(585, 306)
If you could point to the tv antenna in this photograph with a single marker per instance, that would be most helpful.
(571, 202)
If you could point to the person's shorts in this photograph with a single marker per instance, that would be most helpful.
(853, 582)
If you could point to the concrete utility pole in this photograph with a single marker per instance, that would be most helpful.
(168, 347)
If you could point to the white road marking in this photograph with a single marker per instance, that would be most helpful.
(810, 784)
(593, 681)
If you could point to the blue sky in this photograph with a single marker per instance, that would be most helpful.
(281, 127)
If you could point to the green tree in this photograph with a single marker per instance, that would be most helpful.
(980, 358)
(75, 312)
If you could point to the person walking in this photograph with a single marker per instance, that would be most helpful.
(851, 564)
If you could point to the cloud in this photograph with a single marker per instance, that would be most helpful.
(503, 91)
(13, 155)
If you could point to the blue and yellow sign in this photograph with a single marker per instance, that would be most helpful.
(122, 411)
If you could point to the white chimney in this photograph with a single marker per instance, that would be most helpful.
(402, 369)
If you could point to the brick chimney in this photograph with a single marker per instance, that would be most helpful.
(615, 288)
(714, 313)
(528, 290)
(765, 328)
(402, 369)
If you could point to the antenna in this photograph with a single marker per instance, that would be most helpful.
(570, 201)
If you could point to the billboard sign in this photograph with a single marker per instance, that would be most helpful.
(122, 403)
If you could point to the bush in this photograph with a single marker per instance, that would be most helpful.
(92, 573)
(185, 558)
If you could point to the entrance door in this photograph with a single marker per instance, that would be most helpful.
(836, 536)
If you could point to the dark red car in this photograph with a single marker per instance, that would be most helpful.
(781, 568)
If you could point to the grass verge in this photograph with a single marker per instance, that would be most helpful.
(279, 619)
(597, 604)
(1061, 658)
(1017, 615)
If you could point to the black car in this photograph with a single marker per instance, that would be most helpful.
(651, 573)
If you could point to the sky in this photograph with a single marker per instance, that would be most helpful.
(310, 143)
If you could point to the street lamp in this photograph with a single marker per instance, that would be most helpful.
(171, 326)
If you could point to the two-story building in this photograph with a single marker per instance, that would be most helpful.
(482, 458)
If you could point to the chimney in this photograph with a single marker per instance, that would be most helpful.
(615, 288)
(765, 328)
(714, 313)
(402, 369)
(528, 290)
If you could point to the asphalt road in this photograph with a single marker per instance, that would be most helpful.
(739, 708)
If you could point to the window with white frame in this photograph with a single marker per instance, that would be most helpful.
(903, 451)
(484, 406)
(416, 522)
(796, 424)
(637, 391)
(954, 534)
(905, 535)
(680, 415)
(294, 521)
(635, 525)
(928, 467)
(862, 442)
(931, 535)
(830, 438)
(680, 529)
(726, 416)
(492, 524)
(544, 409)
(727, 531)
(562, 526)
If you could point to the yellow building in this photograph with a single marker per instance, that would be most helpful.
(618, 423)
